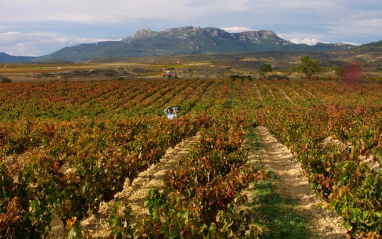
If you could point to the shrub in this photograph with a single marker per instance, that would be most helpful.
(277, 77)
(4, 79)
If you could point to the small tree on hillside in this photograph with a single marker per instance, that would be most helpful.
(309, 66)
(264, 69)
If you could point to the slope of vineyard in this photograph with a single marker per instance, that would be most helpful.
(66, 148)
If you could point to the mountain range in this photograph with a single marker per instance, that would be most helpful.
(181, 41)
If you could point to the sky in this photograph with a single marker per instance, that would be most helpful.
(41, 27)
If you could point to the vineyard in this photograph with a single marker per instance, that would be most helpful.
(67, 147)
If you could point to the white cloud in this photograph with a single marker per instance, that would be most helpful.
(37, 44)
(369, 15)
(302, 37)
(352, 43)
(237, 29)
(356, 23)
(102, 11)
(305, 41)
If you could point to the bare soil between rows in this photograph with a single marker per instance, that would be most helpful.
(292, 183)
(274, 156)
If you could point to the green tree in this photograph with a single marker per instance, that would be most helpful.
(264, 69)
(309, 66)
(340, 71)
(293, 69)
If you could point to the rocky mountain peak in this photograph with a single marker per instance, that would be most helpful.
(144, 33)
(188, 32)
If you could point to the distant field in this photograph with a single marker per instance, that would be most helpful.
(149, 70)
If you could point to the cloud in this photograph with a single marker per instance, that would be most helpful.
(38, 44)
(101, 11)
(352, 43)
(237, 29)
(302, 37)
(355, 23)
(305, 41)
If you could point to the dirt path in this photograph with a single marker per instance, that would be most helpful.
(293, 184)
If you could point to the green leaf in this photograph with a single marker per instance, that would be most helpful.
(212, 230)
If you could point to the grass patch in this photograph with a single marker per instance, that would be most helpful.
(253, 140)
(276, 216)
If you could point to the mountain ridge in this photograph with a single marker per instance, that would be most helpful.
(4, 57)
(184, 41)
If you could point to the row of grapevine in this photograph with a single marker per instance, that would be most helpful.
(346, 170)
(70, 167)
(73, 100)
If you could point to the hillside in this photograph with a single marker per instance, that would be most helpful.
(370, 55)
(8, 58)
(186, 41)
